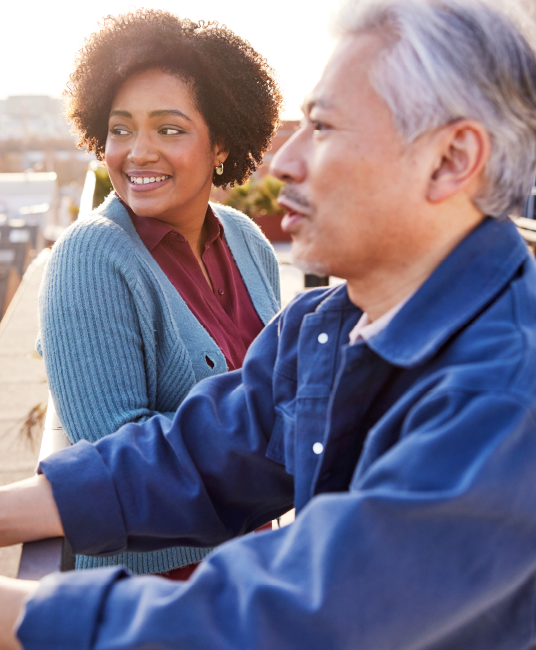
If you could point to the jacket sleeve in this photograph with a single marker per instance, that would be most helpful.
(97, 364)
(433, 538)
(213, 482)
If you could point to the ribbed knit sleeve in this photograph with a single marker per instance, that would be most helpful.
(271, 267)
(91, 333)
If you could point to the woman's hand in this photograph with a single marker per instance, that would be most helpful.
(13, 593)
(28, 512)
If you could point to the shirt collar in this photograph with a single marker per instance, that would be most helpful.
(475, 272)
(151, 231)
(366, 328)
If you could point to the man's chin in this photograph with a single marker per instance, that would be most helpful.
(310, 267)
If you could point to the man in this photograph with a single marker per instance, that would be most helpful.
(397, 413)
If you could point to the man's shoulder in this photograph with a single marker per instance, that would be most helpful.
(323, 297)
(311, 301)
(496, 350)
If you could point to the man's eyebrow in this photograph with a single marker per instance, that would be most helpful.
(169, 111)
(309, 104)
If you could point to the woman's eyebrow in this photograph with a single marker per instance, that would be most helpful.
(170, 111)
(120, 114)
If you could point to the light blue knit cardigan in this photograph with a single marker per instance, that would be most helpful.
(119, 343)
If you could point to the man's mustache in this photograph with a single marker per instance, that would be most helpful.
(289, 192)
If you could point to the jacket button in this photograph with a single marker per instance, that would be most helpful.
(221, 292)
(318, 448)
(323, 338)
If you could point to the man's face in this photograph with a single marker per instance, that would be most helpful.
(354, 189)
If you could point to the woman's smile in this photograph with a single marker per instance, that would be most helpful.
(146, 181)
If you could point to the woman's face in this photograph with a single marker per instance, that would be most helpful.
(158, 150)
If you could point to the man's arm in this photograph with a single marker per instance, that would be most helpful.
(435, 536)
(195, 482)
(13, 593)
(28, 512)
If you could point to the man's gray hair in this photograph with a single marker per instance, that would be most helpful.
(452, 59)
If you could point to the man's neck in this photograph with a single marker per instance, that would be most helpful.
(385, 288)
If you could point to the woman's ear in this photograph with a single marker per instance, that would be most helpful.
(463, 149)
(220, 153)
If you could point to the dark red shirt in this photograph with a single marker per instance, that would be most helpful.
(226, 312)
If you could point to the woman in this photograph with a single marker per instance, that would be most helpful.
(158, 289)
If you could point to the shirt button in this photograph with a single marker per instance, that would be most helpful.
(318, 448)
(323, 338)
(221, 292)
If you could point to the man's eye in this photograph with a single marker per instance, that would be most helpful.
(167, 130)
(318, 126)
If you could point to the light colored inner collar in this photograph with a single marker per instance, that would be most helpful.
(365, 329)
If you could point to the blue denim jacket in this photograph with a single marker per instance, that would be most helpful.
(416, 524)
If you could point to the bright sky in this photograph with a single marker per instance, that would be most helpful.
(38, 39)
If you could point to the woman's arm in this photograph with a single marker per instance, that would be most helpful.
(97, 337)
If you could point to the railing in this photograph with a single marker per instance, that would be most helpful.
(42, 557)
(527, 230)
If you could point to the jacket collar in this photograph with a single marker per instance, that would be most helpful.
(476, 271)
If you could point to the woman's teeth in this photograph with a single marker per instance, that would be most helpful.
(144, 180)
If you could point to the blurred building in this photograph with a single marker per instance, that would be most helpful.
(30, 199)
(32, 117)
(34, 135)
(29, 212)
(41, 178)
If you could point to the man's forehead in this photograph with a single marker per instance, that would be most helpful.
(346, 74)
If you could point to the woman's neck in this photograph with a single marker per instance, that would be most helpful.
(195, 230)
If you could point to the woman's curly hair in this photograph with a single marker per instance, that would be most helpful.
(234, 87)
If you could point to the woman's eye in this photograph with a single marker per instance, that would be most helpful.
(168, 130)
(119, 131)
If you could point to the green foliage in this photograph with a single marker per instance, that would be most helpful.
(103, 186)
(256, 198)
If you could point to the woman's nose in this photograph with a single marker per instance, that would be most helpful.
(143, 150)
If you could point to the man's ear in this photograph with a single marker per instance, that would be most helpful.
(463, 149)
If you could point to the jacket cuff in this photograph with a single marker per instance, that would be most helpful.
(65, 610)
(84, 492)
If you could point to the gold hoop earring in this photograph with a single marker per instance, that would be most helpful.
(219, 170)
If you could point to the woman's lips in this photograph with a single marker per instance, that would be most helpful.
(290, 221)
(146, 187)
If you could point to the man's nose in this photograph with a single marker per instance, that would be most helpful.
(143, 150)
(289, 164)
